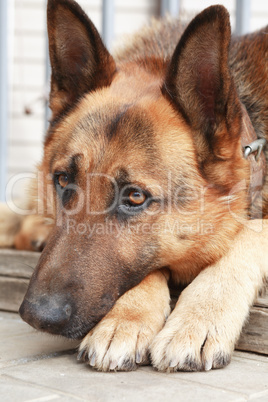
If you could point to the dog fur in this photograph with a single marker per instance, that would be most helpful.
(162, 118)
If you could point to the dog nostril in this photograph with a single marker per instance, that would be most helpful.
(50, 314)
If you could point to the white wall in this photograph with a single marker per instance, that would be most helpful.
(28, 77)
(259, 10)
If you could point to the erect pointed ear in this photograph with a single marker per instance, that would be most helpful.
(79, 60)
(199, 82)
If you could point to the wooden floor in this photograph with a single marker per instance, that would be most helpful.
(36, 367)
(39, 367)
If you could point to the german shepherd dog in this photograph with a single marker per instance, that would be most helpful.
(144, 180)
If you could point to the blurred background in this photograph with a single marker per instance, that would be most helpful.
(24, 64)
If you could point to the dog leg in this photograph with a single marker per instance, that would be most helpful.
(201, 332)
(121, 339)
(10, 224)
(33, 233)
(23, 232)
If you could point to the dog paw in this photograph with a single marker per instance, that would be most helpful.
(9, 226)
(121, 340)
(115, 345)
(33, 233)
(191, 345)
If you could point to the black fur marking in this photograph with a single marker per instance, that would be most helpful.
(221, 360)
(113, 126)
(123, 178)
(190, 364)
(128, 365)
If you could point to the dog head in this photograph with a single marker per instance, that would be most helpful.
(140, 162)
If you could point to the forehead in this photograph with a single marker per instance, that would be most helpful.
(102, 130)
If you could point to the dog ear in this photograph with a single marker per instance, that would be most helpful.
(199, 82)
(79, 60)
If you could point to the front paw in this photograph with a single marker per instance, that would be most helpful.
(190, 343)
(33, 233)
(121, 339)
(120, 342)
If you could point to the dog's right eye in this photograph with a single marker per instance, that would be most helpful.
(132, 202)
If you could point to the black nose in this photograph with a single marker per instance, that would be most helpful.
(49, 314)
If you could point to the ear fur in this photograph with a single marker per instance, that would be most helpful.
(199, 82)
(79, 60)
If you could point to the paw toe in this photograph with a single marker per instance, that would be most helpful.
(216, 353)
(221, 360)
(116, 347)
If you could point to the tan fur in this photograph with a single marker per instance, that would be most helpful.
(33, 233)
(10, 224)
(163, 117)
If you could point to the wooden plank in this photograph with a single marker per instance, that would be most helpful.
(262, 300)
(12, 291)
(16, 268)
(17, 264)
(254, 337)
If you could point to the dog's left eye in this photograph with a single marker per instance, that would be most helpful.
(136, 197)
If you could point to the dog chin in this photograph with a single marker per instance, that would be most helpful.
(77, 333)
(74, 332)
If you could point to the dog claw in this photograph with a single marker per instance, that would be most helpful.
(138, 358)
(173, 363)
(81, 355)
(92, 360)
(208, 365)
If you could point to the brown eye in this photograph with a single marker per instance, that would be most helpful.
(63, 180)
(136, 197)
